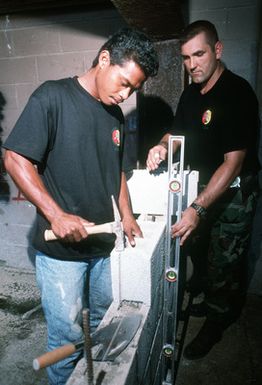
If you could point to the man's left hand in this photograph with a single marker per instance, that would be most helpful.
(131, 229)
(186, 225)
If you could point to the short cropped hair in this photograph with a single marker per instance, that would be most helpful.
(197, 27)
(130, 44)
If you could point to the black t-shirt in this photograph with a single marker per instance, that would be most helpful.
(76, 143)
(224, 119)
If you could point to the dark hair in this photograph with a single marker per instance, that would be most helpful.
(130, 44)
(197, 27)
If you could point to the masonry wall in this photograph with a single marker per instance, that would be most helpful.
(238, 24)
(34, 48)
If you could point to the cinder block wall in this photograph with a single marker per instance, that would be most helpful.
(238, 24)
(48, 45)
(34, 48)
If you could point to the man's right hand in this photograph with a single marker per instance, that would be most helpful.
(66, 226)
(155, 156)
(70, 227)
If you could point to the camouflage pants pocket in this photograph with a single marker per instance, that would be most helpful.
(228, 248)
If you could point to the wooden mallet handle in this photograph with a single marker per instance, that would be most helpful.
(104, 228)
(54, 356)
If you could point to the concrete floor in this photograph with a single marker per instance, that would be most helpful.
(22, 334)
(236, 360)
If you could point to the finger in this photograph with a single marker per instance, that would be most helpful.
(69, 238)
(176, 232)
(138, 233)
(158, 158)
(83, 232)
(131, 237)
(131, 240)
(77, 235)
(152, 165)
(154, 158)
(185, 237)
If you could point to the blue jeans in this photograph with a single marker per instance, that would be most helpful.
(66, 287)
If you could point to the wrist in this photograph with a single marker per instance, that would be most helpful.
(200, 210)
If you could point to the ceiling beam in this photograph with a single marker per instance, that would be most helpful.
(17, 6)
(161, 19)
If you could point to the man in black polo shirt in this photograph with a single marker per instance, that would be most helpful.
(218, 115)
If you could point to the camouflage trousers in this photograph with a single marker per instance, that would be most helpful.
(219, 251)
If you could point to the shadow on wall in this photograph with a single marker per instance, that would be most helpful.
(4, 187)
(131, 141)
(155, 118)
(144, 127)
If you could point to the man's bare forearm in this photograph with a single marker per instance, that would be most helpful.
(64, 225)
(124, 201)
(27, 179)
(222, 178)
(218, 184)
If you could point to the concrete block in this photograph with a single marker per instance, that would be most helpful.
(10, 97)
(136, 265)
(148, 192)
(152, 370)
(10, 117)
(216, 4)
(23, 92)
(59, 66)
(85, 36)
(5, 45)
(89, 33)
(49, 18)
(243, 65)
(36, 41)
(150, 343)
(88, 58)
(139, 362)
(15, 70)
(239, 17)
(217, 16)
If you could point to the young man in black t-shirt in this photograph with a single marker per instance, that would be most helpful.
(65, 155)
